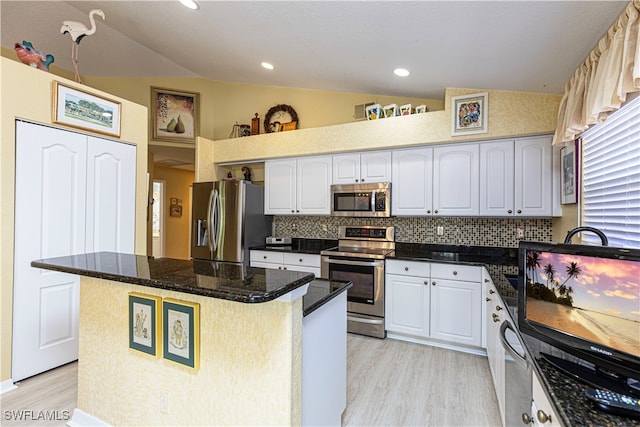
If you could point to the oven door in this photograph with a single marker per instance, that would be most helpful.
(366, 296)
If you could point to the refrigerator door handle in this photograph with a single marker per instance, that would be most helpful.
(209, 222)
(215, 221)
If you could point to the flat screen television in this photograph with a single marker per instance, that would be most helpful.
(585, 301)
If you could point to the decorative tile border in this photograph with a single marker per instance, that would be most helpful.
(457, 230)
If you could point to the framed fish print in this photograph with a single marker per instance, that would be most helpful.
(144, 323)
(181, 332)
(469, 114)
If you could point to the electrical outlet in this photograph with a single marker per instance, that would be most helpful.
(164, 402)
(519, 233)
(324, 227)
(440, 230)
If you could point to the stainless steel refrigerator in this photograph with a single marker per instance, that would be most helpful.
(227, 219)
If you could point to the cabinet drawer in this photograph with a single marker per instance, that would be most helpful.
(308, 260)
(407, 268)
(465, 273)
(266, 256)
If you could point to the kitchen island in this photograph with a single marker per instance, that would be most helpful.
(253, 366)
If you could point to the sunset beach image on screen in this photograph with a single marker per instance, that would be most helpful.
(597, 299)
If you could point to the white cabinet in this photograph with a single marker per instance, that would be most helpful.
(516, 177)
(74, 194)
(433, 301)
(495, 351)
(308, 263)
(533, 176)
(411, 189)
(542, 411)
(456, 169)
(456, 303)
(497, 178)
(374, 166)
(298, 186)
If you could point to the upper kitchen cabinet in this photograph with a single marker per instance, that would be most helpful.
(411, 189)
(533, 176)
(516, 177)
(298, 186)
(496, 178)
(455, 180)
(374, 166)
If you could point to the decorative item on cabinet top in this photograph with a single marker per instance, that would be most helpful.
(469, 114)
(83, 110)
(175, 115)
(279, 118)
(27, 54)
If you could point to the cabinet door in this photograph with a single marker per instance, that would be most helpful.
(456, 185)
(314, 185)
(111, 196)
(406, 305)
(456, 311)
(496, 178)
(411, 190)
(346, 169)
(280, 187)
(375, 166)
(541, 408)
(495, 351)
(533, 169)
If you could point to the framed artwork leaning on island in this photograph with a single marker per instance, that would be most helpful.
(174, 115)
(181, 332)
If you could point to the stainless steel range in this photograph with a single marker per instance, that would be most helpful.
(359, 258)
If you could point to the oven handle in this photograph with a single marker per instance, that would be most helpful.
(360, 263)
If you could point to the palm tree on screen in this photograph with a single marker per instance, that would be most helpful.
(550, 272)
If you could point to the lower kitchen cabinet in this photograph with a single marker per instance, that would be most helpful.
(307, 263)
(495, 350)
(542, 412)
(423, 302)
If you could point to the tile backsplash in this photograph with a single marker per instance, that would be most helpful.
(456, 230)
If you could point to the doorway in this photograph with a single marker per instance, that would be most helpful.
(157, 227)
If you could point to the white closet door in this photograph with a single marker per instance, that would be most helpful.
(111, 196)
(49, 222)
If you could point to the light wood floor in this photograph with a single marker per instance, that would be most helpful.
(390, 383)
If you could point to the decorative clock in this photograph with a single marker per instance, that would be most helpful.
(278, 115)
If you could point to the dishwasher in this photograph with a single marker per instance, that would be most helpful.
(517, 377)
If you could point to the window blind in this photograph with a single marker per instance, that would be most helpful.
(611, 178)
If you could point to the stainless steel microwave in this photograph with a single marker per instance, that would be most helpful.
(361, 200)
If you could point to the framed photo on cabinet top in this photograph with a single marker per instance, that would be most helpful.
(469, 114)
(175, 115)
(83, 110)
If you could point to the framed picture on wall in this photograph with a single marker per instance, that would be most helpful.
(144, 323)
(469, 114)
(175, 115)
(181, 332)
(569, 173)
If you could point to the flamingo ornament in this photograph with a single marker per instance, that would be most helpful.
(77, 31)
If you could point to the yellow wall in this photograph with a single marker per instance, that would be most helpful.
(250, 367)
(26, 93)
(178, 183)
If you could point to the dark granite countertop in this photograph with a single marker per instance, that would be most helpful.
(303, 246)
(320, 292)
(230, 281)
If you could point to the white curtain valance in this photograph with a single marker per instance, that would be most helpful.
(601, 84)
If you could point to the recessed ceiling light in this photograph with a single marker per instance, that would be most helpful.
(191, 4)
(267, 66)
(402, 72)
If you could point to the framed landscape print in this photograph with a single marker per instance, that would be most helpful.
(469, 114)
(569, 174)
(144, 323)
(175, 115)
(181, 332)
(83, 110)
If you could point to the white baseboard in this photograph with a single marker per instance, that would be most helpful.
(434, 343)
(7, 385)
(82, 419)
